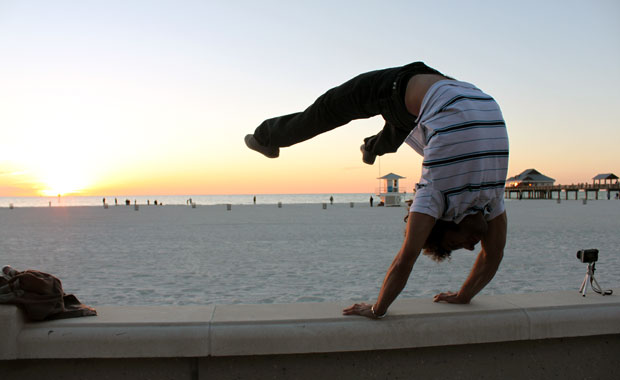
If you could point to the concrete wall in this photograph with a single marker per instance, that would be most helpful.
(539, 335)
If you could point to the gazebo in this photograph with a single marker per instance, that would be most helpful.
(605, 177)
(389, 191)
(530, 177)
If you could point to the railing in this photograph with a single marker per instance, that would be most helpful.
(390, 190)
(572, 187)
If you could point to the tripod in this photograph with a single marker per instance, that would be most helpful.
(593, 283)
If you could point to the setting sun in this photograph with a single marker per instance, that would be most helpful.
(62, 179)
(61, 186)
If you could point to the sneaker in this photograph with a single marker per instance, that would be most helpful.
(367, 157)
(268, 151)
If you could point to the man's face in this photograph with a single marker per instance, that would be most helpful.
(459, 238)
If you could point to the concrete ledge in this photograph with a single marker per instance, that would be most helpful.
(11, 322)
(303, 328)
(120, 332)
(564, 314)
(249, 330)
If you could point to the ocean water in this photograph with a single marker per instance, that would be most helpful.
(238, 199)
(177, 255)
(243, 199)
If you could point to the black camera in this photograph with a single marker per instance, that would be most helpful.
(588, 255)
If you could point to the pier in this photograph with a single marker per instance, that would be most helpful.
(548, 191)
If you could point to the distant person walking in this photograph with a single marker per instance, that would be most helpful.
(371, 200)
(460, 132)
(331, 200)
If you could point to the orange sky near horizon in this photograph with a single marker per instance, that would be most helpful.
(306, 168)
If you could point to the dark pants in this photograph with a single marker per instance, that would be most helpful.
(380, 92)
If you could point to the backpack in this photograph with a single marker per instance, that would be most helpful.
(40, 295)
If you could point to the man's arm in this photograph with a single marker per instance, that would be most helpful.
(419, 226)
(487, 263)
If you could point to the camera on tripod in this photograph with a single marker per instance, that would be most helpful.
(590, 256)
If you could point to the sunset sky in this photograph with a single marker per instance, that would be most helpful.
(155, 97)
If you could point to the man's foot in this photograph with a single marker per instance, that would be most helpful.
(268, 151)
(367, 157)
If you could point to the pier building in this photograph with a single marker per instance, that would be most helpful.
(531, 184)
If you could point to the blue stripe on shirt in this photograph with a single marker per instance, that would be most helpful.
(466, 141)
(466, 126)
(460, 98)
(456, 112)
(469, 172)
(466, 157)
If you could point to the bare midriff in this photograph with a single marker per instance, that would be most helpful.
(417, 87)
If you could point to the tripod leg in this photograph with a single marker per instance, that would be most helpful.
(598, 288)
(584, 285)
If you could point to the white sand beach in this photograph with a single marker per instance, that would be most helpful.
(298, 253)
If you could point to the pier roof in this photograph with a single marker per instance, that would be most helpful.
(531, 175)
(606, 176)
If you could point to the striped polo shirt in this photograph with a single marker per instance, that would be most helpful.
(462, 135)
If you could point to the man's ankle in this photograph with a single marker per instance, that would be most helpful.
(367, 156)
(267, 151)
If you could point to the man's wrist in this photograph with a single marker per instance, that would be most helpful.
(463, 297)
(376, 314)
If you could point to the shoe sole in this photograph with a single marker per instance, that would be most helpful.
(266, 151)
(367, 157)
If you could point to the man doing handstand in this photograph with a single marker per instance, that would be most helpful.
(460, 132)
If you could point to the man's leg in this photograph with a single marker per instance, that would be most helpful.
(387, 140)
(398, 121)
(356, 99)
(376, 92)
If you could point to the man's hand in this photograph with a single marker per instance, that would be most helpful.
(450, 297)
(362, 309)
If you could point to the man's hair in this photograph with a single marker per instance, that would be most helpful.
(433, 247)
(473, 224)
